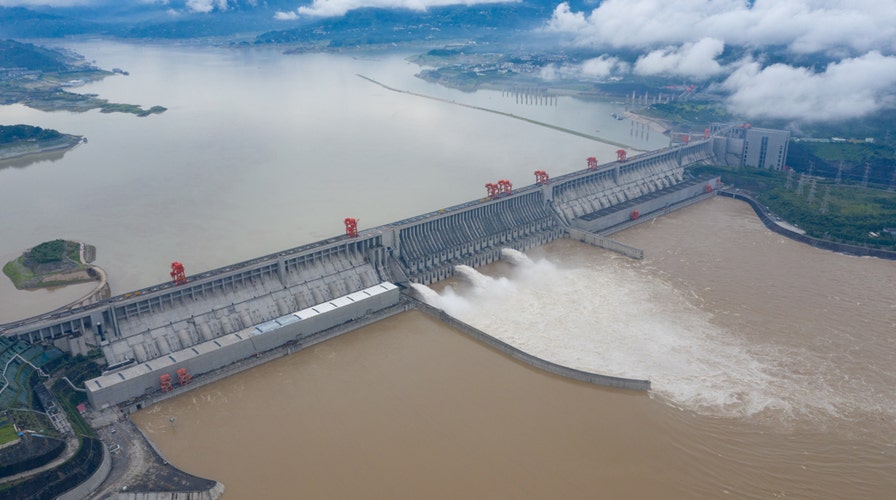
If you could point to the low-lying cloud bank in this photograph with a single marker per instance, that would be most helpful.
(686, 38)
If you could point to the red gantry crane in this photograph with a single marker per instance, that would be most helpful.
(178, 275)
(351, 227)
(592, 163)
(504, 187)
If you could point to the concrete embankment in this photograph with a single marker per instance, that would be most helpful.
(767, 220)
(565, 371)
(503, 113)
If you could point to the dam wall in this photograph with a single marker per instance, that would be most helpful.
(161, 324)
(428, 248)
(651, 204)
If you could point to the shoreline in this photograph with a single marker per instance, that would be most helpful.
(655, 124)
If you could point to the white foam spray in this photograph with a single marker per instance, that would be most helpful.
(613, 318)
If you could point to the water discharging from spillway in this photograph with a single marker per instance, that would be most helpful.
(608, 316)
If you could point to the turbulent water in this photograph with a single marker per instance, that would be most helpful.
(614, 317)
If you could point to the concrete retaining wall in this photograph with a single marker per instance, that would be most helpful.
(594, 378)
(93, 482)
(211, 494)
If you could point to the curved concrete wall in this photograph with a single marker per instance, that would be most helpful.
(565, 371)
(93, 482)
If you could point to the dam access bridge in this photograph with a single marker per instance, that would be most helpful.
(229, 314)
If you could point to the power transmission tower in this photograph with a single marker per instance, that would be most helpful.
(825, 200)
(865, 177)
(799, 185)
(839, 173)
(812, 191)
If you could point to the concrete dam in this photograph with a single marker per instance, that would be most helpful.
(293, 297)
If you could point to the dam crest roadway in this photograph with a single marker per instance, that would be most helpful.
(292, 299)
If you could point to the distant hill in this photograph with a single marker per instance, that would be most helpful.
(20, 22)
(250, 18)
(374, 26)
(30, 57)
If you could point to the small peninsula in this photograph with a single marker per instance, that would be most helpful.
(24, 140)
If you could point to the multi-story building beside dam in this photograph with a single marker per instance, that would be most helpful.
(177, 331)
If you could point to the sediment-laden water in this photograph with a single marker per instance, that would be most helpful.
(770, 364)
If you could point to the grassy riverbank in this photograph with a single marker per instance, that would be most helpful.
(826, 210)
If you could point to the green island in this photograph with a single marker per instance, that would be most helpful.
(52, 264)
(38, 78)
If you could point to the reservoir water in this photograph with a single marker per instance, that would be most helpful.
(259, 152)
(771, 361)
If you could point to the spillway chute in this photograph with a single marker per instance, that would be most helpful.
(516, 257)
(474, 277)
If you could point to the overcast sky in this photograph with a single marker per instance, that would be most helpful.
(684, 39)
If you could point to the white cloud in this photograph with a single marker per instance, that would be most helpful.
(804, 26)
(847, 89)
(596, 68)
(697, 60)
(206, 6)
(604, 66)
(684, 38)
(328, 8)
(286, 16)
